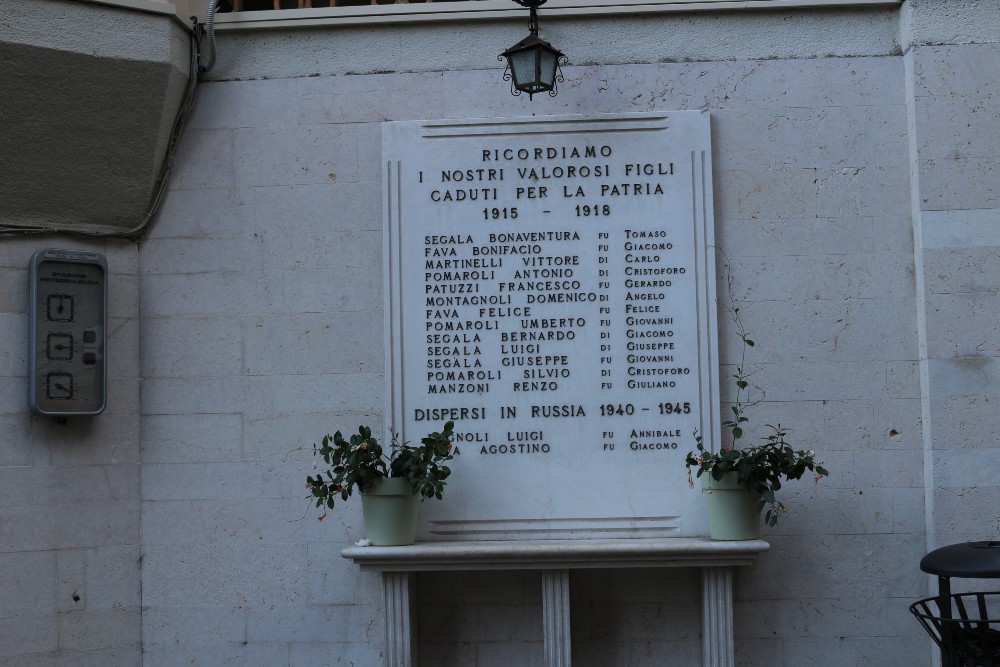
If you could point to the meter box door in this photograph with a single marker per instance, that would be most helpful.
(67, 331)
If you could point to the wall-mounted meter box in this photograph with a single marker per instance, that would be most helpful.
(68, 317)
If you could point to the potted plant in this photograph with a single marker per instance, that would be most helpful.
(741, 481)
(390, 482)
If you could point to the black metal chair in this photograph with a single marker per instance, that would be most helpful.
(965, 626)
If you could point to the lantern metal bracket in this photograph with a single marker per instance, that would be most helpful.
(532, 6)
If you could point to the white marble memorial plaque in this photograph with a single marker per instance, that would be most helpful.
(551, 289)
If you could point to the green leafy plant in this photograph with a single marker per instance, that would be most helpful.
(361, 461)
(761, 468)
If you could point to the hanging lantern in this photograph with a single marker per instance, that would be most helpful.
(533, 65)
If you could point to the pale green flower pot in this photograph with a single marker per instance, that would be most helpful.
(732, 509)
(390, 510)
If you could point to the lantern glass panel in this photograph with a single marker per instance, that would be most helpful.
(522, 65)
(547, 67)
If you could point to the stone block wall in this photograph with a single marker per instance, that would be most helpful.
(955, 160)
(262, 327)
(268, 254)
(855, 202)
(69, 489)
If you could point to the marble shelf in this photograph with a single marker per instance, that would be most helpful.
(555, 558)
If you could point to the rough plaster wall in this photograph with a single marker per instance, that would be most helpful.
(646, 38)
(69, 492)
(90, 29)
(267, 252)
(949, 22)
(957, 166)
(90, 97)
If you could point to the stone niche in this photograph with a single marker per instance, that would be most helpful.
(550, 288)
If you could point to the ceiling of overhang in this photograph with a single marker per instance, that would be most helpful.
(90, 96)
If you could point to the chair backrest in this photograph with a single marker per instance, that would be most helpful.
(962, 627)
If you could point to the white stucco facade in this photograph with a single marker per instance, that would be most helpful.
(857, 194)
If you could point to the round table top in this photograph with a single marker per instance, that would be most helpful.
(972, 560)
